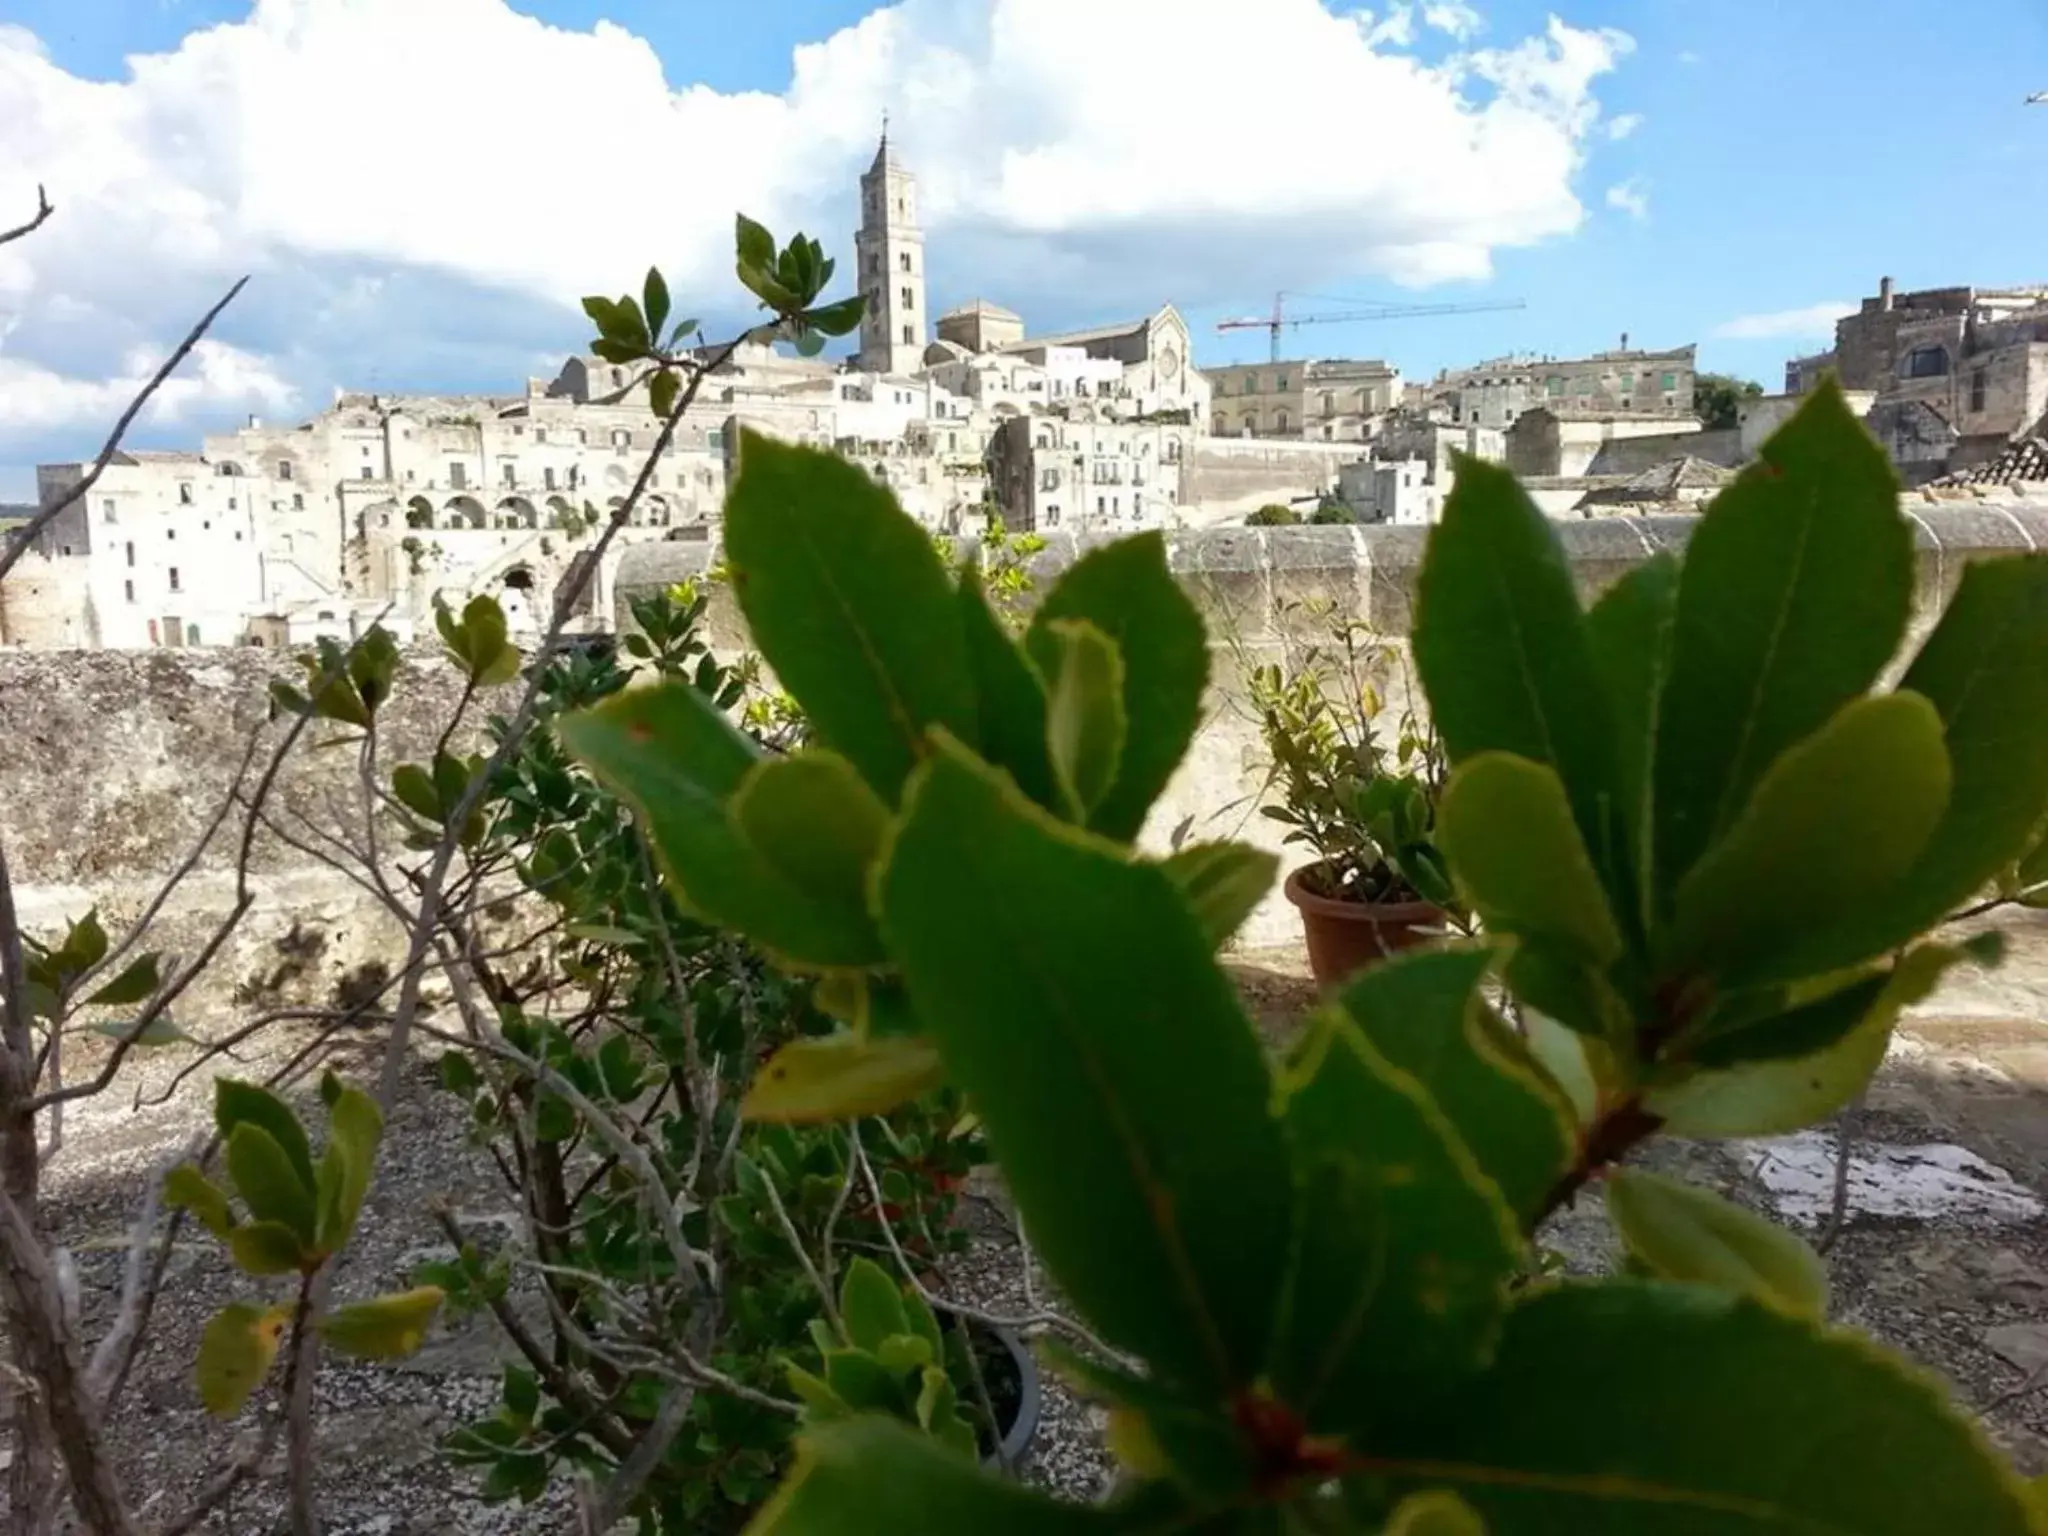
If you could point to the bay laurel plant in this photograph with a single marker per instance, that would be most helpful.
(1705, 851)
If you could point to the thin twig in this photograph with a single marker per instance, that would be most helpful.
(1845, 1151)
(42, 215)
(15, 549)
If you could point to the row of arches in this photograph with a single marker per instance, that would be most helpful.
(522, 512)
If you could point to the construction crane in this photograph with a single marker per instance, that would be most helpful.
(1279, 319)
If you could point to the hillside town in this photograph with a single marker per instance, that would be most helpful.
(274, 535)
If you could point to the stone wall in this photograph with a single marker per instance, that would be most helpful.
(112, 763)
(1225, 478)
(1250, 582)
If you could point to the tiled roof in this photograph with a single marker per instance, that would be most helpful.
(2026, 459)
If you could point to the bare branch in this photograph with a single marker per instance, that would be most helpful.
(42, 216)
(14, 550)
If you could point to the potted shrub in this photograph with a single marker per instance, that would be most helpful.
(1364, 805)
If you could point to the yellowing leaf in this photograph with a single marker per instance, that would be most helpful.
(235, 1354)
(186, 1188)
(842, 1076)
(1682, 1232)
(385, 1328)
(267, 1248)
(1437, 1513)
(816, 821)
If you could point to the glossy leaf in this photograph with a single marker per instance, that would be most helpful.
(1700, 1413)
(187, 1189)
(1682, 1232)
(1771, 1098)
(1403, 1243)
(754, 244)
(870, 1304)
(1423, 1014)
(669, 752)
(235, 1103)
(850, 606)
(235, 1354)
(1126, 591)
(1630, 629)
(267, 1248)
(384, 1328)
(1830, 829)
(842, 1076)
(1793, 596)
(267, 1180)
(655, 302)
(1011, 701)
(138, 980)
(1504, 650)
(875, 1474)
(1767, 1023)
(1085, 723)
(1056, 978)
(815, 820)
(414, 787)
(355, 1125)
(1985, 671)
(1506, 829)
(1223, 882)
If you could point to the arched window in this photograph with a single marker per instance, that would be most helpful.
(1279, 421)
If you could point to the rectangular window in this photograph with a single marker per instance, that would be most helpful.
(128, 590)
(298, 501)
(1553, 386)
(131, 556)
(540, 434)
(1098, 506)
(1670, 383)
(1251, 383)
(369, 473)
(171, 534)
(510, 472)
(175, 587)
(715, 441)
(1977, 390)
(621, 438)
(547, 477)
(1280, 383)
(284, 468)
(458, 475)
(107, 510)
(185, 493)
(909, 335)
(909, 299)
(903, 261)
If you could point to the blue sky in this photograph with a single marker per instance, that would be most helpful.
(423, 213)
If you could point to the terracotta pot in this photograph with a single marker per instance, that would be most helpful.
(1344, 937)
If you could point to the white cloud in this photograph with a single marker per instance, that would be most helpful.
(491, 151)
(35, 399)
(1619, 128)
(1453, 16)
(1630, 197)
(1812, 320)
(1687, 56)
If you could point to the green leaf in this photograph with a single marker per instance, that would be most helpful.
(874, 1474)
(752, 242)
(186, 1188)
(414, 787)
(1084, 728)
(1630, 630)
(85, 945)
(1422, 1013)
(864, 1383)
(1794, 594)
(267, 1248)
(669, 752)
(1403, 1242)
(848, 603)
(138, 980)
(662, 392)
(1770, 1098)
(1681, 1232)
(385, 1328)
(819, 1400)
(1505, 654)
(841, 1077)
(1985, 671)
(1126, 591)
(158, 1031)
(236, 1103)
(838, 319)
(816, 821)
(355, 1125)
(1829, 831)
(1010, 695)
(654, 302)
(870, 1304)
(1434, 1514)
(1223, 882)
(1057, 977)
(1506, 828)
(235, 1354)
(1700, 1413)
(268, 1181)
(904, 1353)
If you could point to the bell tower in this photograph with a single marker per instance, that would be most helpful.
(890, 252)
